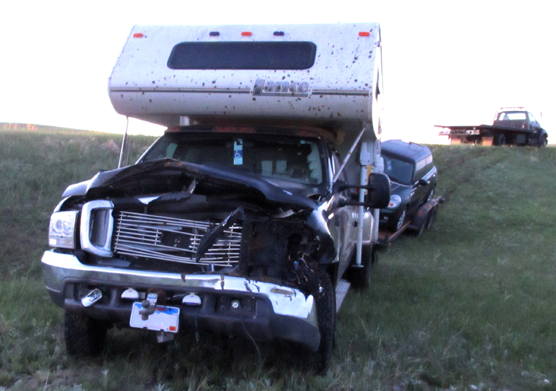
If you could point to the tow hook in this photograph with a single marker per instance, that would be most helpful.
(149, 306)
(91, 298)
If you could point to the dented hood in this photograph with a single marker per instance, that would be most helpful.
(170, 176)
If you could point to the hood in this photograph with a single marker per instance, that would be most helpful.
(173, 176)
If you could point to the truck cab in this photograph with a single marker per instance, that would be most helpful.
(520, 119)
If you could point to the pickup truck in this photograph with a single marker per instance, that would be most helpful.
(255, 210)
(511, 126)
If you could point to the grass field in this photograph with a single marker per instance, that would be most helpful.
(467, 306)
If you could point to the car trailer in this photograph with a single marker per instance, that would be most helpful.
(423, 220)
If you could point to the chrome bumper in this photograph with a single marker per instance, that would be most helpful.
(280, 312)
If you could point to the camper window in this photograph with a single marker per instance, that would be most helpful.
(242, 55)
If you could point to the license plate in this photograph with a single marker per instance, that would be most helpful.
(164, 318)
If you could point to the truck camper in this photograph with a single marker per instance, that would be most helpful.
(257, 208)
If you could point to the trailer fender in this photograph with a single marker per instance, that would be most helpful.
(419, 220)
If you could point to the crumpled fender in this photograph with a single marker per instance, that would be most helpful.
(328, 251)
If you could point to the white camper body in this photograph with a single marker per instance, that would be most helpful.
(340, 90)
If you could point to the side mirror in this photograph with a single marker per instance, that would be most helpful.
(378, 192)
(423, 182)
(378, 195)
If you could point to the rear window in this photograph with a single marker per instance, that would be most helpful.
(512, 116)
(243, 55)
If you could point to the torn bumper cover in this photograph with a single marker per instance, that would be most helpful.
(267, 311)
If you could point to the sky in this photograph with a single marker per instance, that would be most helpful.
(445, 62)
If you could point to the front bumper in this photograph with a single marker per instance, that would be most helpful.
(267, 312)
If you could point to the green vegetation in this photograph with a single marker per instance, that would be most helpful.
(466, 306)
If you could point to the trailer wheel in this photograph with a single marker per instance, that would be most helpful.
(84, 336)
(431, 194)
(326, 315)
(360, 277)
(431, 216)
(427, 222)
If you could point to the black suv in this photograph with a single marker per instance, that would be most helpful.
(413, 177)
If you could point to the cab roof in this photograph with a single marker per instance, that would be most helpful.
(405, 151)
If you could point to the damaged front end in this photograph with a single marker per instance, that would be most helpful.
(172, 246)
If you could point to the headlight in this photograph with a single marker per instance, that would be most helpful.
(395, 201)
(61, 232)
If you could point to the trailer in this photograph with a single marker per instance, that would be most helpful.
(511, 126)
(257, 208)
(424, 219)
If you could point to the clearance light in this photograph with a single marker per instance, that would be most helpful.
(246, 34)
(214, 33)
(138, 35)
(364, 34)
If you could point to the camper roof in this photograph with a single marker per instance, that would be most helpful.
(323, 75)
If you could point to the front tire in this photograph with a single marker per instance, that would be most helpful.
(543, 141)
(84, 336)
(326, 315)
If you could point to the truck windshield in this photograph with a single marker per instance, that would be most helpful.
(294, 159)
(398, 170)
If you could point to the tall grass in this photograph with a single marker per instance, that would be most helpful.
(466, 306)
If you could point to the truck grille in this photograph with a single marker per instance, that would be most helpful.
(170, 239)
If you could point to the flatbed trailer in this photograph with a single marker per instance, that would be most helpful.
(423, 220)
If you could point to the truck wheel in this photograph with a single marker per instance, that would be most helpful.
(326, 315)
(543, 141)
(360, 277)
(499, 140)
(84, 336)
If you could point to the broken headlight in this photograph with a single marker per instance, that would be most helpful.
(61, 232)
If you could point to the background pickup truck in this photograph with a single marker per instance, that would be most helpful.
(511, 126)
